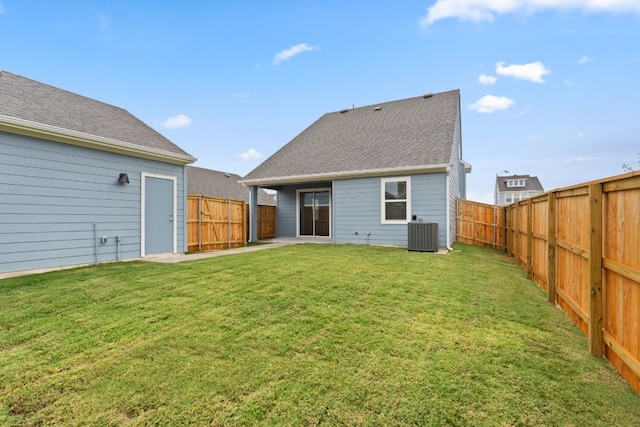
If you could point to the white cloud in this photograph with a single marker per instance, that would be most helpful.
(533, 71)
(291, 52)
(487, 80)
(585, 59)
(250, 154)
(175, 122)
(490, 103)
(579, 159)
(486, 10)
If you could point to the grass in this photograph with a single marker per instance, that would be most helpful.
(300, 335)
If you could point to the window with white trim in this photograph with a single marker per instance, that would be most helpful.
(396, 200)
(516, 197)
(515, 183)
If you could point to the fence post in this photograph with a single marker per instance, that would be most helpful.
(595, 270)
(229, 223)
(551, 250)
(508, 227)
(529, 238)
(515, 226)
(503, 213)
(200, 223)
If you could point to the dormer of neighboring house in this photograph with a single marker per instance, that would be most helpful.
(510, 189)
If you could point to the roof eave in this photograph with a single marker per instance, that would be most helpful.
(329, 176)
(67, 136)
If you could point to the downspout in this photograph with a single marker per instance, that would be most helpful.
(448, 209)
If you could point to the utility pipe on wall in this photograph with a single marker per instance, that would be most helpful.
(95, 242)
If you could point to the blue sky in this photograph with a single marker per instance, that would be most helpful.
(548, 87)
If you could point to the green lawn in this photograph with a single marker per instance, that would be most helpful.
(300, 335)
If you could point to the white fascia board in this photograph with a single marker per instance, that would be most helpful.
(260, 182)
(54, 133)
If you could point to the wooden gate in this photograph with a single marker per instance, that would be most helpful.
(266, 222)
(215, 223)
(480, 224)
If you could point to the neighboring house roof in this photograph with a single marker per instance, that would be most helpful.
(399, 136)
(36, 109)
(531, 183)
(222, 184)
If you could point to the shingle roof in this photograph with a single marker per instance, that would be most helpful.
(31, 101)
(222, 184)
(531, 183)
(407, 133)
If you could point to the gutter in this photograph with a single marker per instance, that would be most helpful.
(72, 137)
(327, 176)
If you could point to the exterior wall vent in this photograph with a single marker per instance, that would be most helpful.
(423, 237)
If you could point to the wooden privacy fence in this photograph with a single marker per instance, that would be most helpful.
(266, 222)
(216, 223)
(480, 224)
(581, 245)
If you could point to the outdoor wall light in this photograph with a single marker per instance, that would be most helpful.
(123, 178)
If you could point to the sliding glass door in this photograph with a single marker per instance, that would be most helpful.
(315, 212)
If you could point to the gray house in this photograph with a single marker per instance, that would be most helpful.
(225, 185)
(82, 181)
(361, 175)
(510, 189)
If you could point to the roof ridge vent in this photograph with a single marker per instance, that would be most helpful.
(344, 111)
(427, 95)
(377, 109)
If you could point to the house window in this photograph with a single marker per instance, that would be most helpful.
(515, 183)
(396, 200)
(516, 197)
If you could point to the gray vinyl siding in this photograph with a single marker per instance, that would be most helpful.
(286, 209)
(287, 213)
(52, 194)
(357, 209)
(463, 182)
